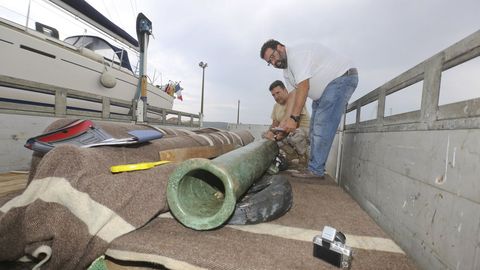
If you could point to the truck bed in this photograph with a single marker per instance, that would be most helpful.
(285, 243)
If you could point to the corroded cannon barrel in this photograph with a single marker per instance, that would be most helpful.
(202, 193)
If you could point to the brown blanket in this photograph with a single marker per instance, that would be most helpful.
(74, 206)
(282, 244)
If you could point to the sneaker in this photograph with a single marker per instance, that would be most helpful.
(308, 174)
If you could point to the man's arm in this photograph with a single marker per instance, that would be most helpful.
(295, 104)
(289, 107)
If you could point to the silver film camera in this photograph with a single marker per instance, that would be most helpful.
(330, 247)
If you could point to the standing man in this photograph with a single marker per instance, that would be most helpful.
(294, 145)
(328, 78)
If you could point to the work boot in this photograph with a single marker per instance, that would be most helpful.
(308, 174)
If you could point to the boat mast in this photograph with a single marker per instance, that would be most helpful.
(144, 30)
(28, 14)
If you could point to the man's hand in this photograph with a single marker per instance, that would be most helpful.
(269, 135)
(289, 125)
(275, 134)
(279, 136)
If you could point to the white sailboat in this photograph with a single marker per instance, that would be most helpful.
(82, 62)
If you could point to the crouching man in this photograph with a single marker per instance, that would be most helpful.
(294, 145)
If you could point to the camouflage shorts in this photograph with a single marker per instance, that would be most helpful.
(296, 148)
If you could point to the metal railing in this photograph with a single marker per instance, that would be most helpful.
(431, 116)
(101, 107)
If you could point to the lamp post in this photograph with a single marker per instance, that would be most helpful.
(203, 66)
(238, 112)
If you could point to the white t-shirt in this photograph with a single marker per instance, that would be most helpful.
(315, 62)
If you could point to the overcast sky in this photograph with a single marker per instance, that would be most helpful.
(383, 37)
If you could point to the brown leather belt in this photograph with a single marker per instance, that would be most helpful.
(352, 71)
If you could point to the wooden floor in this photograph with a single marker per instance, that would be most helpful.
(12, 182)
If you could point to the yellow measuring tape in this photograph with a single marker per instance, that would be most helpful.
(136, 166)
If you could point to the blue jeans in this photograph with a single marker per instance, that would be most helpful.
(326, 115)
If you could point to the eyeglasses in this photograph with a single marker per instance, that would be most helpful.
(271, 58)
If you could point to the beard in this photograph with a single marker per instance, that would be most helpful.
(282, 63)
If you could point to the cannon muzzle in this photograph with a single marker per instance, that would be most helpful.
(202, 193)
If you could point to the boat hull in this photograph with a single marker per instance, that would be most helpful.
(36, 57)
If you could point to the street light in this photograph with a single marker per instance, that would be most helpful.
(203, 66)
(238, 112)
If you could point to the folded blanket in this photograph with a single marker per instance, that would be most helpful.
(73, 207)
